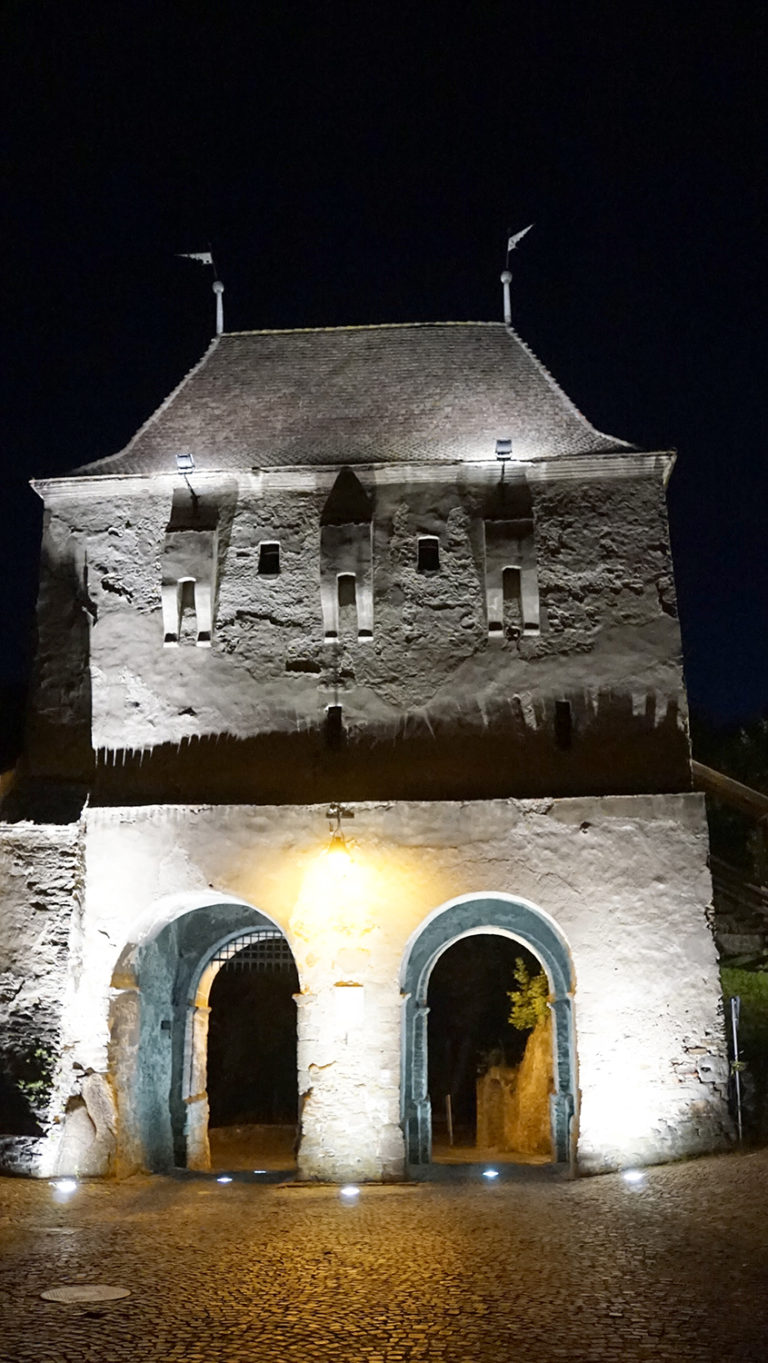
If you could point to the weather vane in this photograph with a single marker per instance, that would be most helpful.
(206, 258)
(513, 240)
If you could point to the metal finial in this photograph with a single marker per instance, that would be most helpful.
(513, 240)
(206, 258)
(506, 279)
(218, 289)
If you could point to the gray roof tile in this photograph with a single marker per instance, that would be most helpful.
(360, 395)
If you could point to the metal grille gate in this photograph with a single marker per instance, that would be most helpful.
(264, 951)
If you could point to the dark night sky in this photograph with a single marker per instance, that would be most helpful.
(360, 162)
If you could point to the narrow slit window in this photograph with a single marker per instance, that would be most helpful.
(513, 606)
(334, 726)
(428, 554)
(563, 724)
(269, 558)
(187, 609)
(347, 590)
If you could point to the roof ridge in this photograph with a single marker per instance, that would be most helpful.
(355, 326)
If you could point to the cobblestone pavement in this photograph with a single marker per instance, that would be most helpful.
(527, 1269)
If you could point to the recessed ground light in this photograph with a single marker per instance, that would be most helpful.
(76, 1292)
(66, 1185)
(490, 1173)
(349, 1190)
(259, 1171)
(633, 1176)
(224, 1178)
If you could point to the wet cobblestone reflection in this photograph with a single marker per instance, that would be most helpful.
(524, 1268)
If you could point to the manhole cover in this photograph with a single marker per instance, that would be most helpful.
(85, 1292)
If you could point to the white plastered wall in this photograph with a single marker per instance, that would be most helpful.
(625, 879)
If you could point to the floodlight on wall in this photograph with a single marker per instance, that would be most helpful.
(504, 449)
(185, 463)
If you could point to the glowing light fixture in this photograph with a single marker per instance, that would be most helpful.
(66, 1185)
(490, 1173)
(633, 1176)
(224, 1178)
(259, 1171)
(349, 1191)
(337, 854)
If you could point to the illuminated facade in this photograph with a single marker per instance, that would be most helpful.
(358, 592)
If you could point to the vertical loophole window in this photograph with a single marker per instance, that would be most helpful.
(347, 591)
(428, 554)
(187, 611)
(513, 609)
(563, 724)
(334, 726)
(269, 558)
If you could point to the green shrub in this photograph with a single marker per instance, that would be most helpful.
(529, 1000)
(34, 1074)
(751, 986)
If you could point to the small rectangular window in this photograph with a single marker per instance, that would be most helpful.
(269, 558)
(428, 560)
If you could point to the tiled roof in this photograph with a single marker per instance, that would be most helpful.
(360, 395)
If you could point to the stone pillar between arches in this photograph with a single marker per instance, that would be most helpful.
(349, 1072)
(196, 1088)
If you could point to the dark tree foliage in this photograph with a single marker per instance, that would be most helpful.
(468, 1019)
(739, 751)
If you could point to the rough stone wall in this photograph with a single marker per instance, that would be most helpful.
(513, 1101)
(625, 880)
(41, 888)
(429, 693)
(58, 740)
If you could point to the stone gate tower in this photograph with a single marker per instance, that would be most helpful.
(393, 569)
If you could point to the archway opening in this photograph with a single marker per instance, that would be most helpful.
(162, 983)
(252, 1087)
(489, 1079)
(496, 915)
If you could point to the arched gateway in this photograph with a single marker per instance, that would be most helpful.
(470, 915)
(159, 1031)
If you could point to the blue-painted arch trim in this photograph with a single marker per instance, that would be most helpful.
(514, 918)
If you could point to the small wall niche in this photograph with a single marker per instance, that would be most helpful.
(188, 563)
(428, 554)
(563, 724)
(334, 726)
(269, 558)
